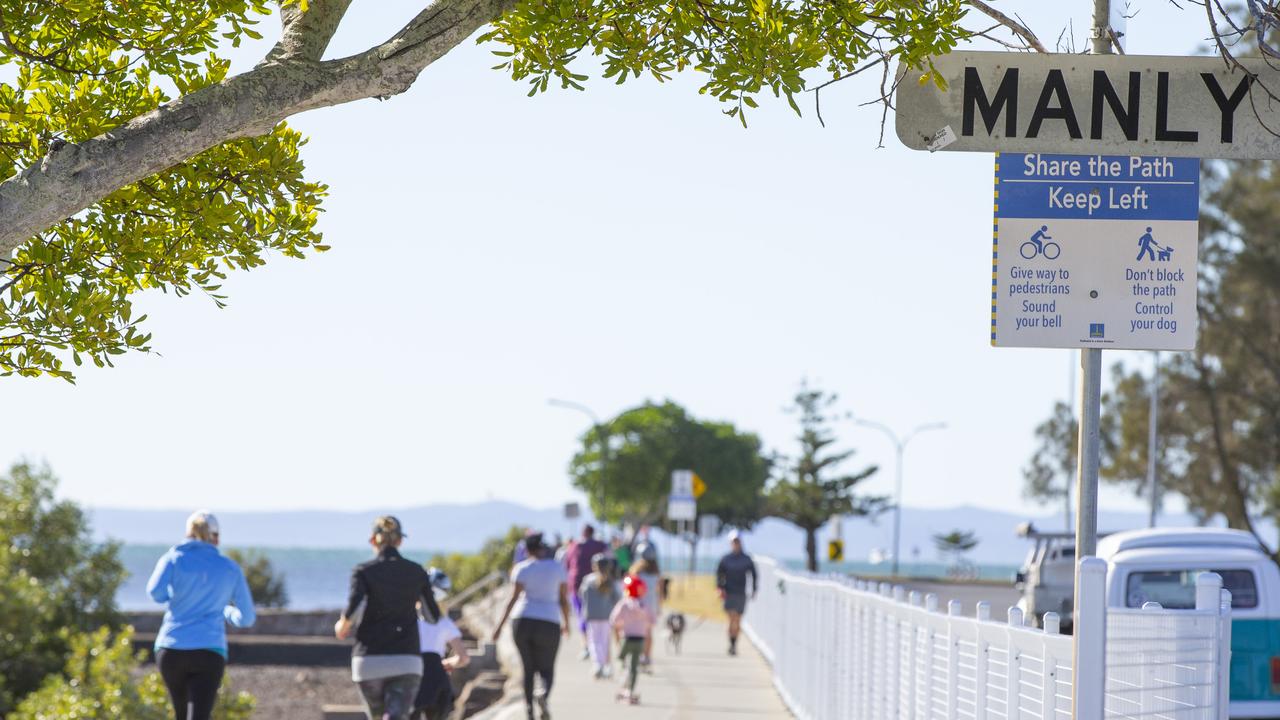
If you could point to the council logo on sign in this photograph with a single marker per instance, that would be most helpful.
(1097, 331)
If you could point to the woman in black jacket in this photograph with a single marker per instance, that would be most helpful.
(382, 609)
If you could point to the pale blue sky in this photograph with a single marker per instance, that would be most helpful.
(491, 251)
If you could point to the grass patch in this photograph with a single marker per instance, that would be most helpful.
(695, 596)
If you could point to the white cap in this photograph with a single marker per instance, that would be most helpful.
(203, 518)
(734, 535)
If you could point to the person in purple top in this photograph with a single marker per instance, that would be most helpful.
(577, 564)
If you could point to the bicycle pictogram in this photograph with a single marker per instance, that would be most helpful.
(1035, 246)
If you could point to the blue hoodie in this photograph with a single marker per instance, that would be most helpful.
(203, 589)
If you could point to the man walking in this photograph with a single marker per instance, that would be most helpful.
(1147, 245)
(731, 579)
(577, 563)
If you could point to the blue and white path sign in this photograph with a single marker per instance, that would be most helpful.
(1095, 251)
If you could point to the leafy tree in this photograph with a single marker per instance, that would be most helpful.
(1050, 474)
(102, 682)
(266, 584)
(465, 569)
(54, 580)
(955, 543)
(134, 160)
(810, 494)
(1219, 406)
(28, 631)
(647, 443)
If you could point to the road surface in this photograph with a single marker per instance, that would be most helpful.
(702, 683)
(1001, 597)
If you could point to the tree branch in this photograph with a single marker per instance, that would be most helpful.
(307, 35)
(1018, 28)
(73, 176)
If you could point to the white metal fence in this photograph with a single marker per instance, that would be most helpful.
(850, 650)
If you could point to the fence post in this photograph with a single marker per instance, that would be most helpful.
(893, 710)
(873, 660)
(1089, 664)
(924, 692)
(838, 642)
(1224, 654)
(1148, 705)
(889, 644)
(953, 660)
(847, 600)
(1209, 598)
(1049, 692)
(1013, 689)
(1208, 591)
(981, 680)
(1052, 623)
(913, 655)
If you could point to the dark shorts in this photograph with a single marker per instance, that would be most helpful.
(735, 603)
(435, 693)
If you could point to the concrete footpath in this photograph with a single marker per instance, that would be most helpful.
(701, 682)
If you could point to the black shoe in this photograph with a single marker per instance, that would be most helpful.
(733, 647)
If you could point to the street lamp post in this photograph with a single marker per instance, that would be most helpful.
(601, 432)
(899, 446)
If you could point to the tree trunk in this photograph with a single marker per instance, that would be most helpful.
(1234, 503)
(1067, 505)
(811, 549)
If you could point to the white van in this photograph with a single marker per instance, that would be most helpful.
(1161, 565)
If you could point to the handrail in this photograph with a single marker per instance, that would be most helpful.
(493, 579)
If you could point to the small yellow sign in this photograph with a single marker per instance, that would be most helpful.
(699, 487)
(835, 550)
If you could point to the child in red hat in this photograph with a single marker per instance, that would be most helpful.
(632, 620)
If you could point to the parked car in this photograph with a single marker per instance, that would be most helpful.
(1161, 565)
(1047, 577)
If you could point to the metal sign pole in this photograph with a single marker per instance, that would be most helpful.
(1153, 424)
(1089, 460)
(1089, 447)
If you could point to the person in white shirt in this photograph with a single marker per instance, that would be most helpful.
(435, 694)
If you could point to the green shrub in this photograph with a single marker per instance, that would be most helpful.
(102, 681)
(265, 582)
(464, 569)
(55, 581)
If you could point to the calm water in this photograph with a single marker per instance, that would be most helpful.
(314, 579)
(318, 579)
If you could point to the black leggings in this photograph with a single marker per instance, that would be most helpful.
(193, 678)
(538, 642)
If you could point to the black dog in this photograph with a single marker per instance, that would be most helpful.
(675, 631)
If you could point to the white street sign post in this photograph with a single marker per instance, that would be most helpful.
(682, 506)
(682, 509)
(1077, 104)
(1095, 252)
(682, 483)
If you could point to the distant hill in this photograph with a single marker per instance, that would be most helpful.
(464, 527)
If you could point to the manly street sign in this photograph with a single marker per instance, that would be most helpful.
(1104, 104)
